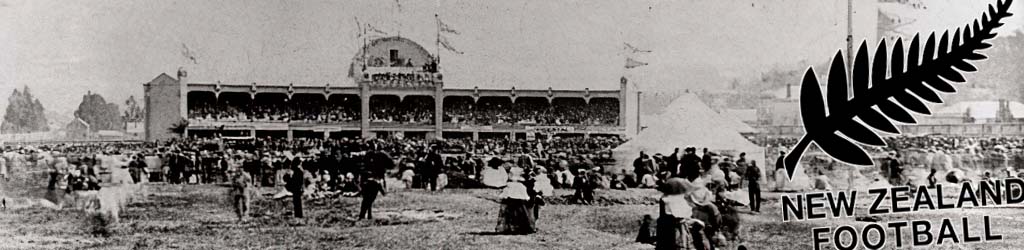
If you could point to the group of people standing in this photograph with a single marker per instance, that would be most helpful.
(301, 181)
(710, 167)
(694, 211)
(522, 198)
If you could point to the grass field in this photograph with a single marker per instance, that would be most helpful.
(200, 217)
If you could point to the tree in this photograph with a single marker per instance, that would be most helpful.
(99, 114)
(25, 114)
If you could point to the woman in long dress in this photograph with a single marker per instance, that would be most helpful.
(674, 218)
(516, 213)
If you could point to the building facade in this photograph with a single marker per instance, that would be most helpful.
(389, 74)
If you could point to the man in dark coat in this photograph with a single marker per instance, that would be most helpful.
(296, 184)
(432, 167)
(690, 165)
(136, 168)
(176, 164)
(370, 188)
(753, 176)
(672, 163)
(896, 170)
(382, 162)
(641, 166)
(705, 160)
(252, 166)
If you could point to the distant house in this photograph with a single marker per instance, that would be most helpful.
(984, 111)
(77, 128)
(110, 134)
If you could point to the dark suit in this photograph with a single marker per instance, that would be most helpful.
(705, 161)
(690, 167)
(672, 164)
(433, 166)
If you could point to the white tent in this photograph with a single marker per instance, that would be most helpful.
(688, 122)
(689, 105)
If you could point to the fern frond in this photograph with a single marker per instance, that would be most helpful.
(929, 68)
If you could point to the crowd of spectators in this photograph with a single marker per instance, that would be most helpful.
(410, 111)
(335, 162)
(997, 153)
(211, 111)
(315, 111)
(414, 110)
(299, 111)
(597, 112)
(925, 143)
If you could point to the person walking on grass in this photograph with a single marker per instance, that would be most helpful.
(296, 183)
(371, 186)
(753, 175)
(241, 189)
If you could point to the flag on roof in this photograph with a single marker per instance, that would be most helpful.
(632, 63)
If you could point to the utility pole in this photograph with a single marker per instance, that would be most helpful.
(849, 33)
(849, 46)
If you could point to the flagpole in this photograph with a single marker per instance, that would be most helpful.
(398, 22)
(365, 62)
(437, 41)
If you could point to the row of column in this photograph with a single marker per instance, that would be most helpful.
(364, 103)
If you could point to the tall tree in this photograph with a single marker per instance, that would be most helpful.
(25, 114)
(99, 114)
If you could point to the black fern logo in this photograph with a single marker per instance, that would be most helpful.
(887, 97)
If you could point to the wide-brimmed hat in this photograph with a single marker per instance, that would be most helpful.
(675, 185)
(700, 196)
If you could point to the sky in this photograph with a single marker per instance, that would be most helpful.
(63, 49)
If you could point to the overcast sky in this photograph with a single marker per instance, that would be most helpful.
(61, 49)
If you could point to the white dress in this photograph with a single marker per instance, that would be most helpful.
(494, 177)
(543, 185)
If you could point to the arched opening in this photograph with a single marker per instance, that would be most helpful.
(568, 111)
(492, 110)
(232, 106)
(410, 110)
(532, 110)
(307, 108)
(270, 107)
(202, 105)
(457, 109)
(343, 108)
(603, 111)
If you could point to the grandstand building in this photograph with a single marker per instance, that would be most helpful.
(398, 92)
